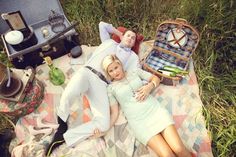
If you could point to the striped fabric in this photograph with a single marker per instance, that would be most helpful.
(156, 61)
(163, 43)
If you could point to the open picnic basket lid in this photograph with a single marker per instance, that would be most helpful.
(175, 42)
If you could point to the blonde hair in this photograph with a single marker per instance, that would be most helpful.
(107, 61)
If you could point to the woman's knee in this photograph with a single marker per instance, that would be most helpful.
(165, 153)
(160, 147)
(180, 150)
(168, 154)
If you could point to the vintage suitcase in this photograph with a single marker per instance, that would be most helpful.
(45, 28)
(169, 58)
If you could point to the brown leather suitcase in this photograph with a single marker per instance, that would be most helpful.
(36, 15)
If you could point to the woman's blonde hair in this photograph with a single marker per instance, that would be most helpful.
(107, 61)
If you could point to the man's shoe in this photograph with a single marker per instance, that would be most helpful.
(58, 138)
(5, 138)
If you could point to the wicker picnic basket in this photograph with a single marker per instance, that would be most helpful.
(169, 58)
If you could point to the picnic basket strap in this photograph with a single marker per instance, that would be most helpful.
(171, 53)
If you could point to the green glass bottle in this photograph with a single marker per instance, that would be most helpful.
(56, 76)
(175, 70)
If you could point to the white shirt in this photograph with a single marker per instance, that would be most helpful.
(128, 58)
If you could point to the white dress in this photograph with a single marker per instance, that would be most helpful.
(146, 118)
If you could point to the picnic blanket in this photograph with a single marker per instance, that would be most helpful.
(34, 131)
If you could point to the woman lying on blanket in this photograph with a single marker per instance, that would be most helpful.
(151, 123)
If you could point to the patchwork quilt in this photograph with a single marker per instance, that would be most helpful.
(34, 131)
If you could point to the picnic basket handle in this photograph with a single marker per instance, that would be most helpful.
(182, 20)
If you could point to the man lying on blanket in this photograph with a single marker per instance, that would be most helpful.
(90, 81)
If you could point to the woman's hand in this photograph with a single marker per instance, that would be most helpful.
(142, 93)
(97, 133)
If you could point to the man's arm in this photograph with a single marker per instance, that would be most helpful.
(106, 29)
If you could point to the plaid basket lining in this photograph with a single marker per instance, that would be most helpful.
(164, 44)
(156, 62)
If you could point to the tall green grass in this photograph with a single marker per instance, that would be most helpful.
(214, 59)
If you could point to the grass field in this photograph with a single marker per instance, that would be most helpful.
(214, 59)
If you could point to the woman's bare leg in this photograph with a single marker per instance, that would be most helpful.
(171, 136)
(158, 144)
